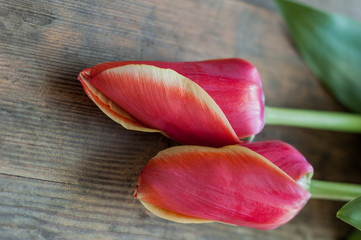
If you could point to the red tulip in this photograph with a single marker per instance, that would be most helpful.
(232, 184)
(214, 103)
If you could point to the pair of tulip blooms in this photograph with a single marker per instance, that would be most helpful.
(211, 106)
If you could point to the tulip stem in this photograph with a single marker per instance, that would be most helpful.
(335, 121)
(334, 190)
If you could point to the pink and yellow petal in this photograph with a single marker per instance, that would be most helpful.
(111, 109)
(231, 184)
(165, 100)
(171, 216)
(234, 84)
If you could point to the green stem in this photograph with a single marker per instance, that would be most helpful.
(336, 121)
(334, 190)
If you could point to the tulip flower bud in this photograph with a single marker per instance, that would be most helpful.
(232, 184)
(212, 103)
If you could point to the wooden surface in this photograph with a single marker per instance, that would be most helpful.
(68, 172)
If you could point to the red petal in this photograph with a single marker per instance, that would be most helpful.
(231, 184)
(234, 84)
(110, 108)
(165, 100)
(284, 156)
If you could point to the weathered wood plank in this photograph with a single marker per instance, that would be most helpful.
(69, 172)
(32, 208)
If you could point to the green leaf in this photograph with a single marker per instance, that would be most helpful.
(355, 235)
(331, 47)
(351, 213)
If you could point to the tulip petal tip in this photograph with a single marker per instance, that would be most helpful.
(109, 107)
(172, 216)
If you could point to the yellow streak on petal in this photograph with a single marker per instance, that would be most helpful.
(117, 114)
(172, 216)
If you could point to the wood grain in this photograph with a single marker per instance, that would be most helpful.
(69, 172)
